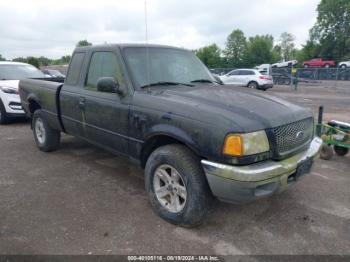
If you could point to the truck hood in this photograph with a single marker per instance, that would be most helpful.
(243, 109)
(9, 83)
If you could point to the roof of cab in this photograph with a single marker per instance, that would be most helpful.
(123, 45)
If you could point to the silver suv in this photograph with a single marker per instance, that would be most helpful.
(251, 78)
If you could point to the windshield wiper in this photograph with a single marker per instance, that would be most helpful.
(202, 81)
(165, 83)
(205, 81)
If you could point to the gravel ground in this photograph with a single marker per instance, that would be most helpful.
(83, 200)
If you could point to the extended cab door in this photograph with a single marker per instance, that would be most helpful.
(105, 114)
(72, 117)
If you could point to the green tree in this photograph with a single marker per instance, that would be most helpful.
(235, 48)
(83, 43)
(332, 29)
(287, 45)
(259, 50)
(20, 59)
(276, 54)
(33, 61)
(62, 61)
(44, 61)
(2, 58)
(210, 55)
(308, 51)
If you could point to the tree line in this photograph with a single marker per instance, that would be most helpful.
(329, 38)
(44, 61)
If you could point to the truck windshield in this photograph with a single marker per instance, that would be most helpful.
(18, 72)
(150, 65)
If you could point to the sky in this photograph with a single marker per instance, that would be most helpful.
(52, 28)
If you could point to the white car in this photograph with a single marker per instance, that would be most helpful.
(289, 63)
(10, 74)
(251, 78)
(344, 64)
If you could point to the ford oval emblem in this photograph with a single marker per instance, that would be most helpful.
(299, 135)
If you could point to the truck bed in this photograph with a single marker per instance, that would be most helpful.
(43, 93)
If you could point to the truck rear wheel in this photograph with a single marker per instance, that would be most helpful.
(176, 185)
(46, 138)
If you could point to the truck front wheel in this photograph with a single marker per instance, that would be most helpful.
(176, 185)
(46, 138)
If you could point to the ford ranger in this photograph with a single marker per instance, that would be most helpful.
(159, 106)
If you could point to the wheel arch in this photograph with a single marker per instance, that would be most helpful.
(33, 104)
(159, 139)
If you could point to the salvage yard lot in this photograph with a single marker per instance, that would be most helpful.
(83, 200)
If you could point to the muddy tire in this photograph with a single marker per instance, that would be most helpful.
(341, 151)
(46, 138)
(326, 152)
(176, 185)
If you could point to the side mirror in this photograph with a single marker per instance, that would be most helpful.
(108, 85)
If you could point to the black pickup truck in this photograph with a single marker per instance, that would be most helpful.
(161, 107)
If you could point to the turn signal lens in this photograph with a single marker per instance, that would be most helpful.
(246, 144)
(233, 145)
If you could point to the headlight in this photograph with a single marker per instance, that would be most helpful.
(8, 90)
(246, 144)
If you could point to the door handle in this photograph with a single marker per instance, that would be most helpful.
(82, 102)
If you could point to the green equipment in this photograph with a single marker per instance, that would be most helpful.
(335, 135)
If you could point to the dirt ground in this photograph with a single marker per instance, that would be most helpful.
(83, 200)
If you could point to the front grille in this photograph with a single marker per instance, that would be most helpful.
(291, 137)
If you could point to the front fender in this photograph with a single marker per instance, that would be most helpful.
(175, 133)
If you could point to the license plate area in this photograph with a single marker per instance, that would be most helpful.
(303, 168)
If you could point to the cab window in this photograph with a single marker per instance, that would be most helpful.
(103, 64)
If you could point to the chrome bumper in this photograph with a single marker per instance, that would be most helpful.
(246, 183)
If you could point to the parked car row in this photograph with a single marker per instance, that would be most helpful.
(316, 62)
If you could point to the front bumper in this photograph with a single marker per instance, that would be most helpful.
(239, 184)
(12, 104)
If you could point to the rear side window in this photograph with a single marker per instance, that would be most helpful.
(75, 68)
(246, 73)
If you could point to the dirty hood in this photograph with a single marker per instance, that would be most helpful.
(244, 109)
